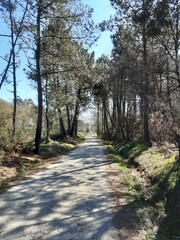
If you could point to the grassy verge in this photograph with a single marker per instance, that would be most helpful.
(152, 179)
(16, 166)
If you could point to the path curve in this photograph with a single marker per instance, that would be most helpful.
(69, 200)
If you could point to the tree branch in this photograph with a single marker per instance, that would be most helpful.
(14, 44)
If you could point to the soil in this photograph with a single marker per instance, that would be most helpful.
(126, 220)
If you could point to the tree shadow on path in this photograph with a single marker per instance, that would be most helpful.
(69, 199)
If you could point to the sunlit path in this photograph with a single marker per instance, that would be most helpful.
(67, 200)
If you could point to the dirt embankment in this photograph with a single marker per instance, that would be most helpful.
(17, 165)
(146, 183)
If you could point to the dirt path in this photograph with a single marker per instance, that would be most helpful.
(69, 200)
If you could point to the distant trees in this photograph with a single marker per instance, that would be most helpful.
(25, 123)
(54, 23)
(5, 124)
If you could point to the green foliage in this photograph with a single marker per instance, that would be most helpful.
(26, 120)
(132, 182)
(4, 182)
(25, 125)
(111, 149)
(130, 150)
(54, 149)
(113, 153)
(55, 136)
(133, 149)
(5, 125)
(81, 137)
(154, 191)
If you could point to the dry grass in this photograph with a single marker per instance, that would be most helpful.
(16, 166)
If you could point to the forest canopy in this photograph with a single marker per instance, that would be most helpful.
(135, 90)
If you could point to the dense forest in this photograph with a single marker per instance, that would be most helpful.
(135, 92)
(54, 36)
(139, 93)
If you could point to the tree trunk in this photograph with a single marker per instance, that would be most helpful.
(38, 79)
(68, 119)
(119, 108)
(106, 127)
(177, 38)
(73, 126)
(98, 118)
(14, 73)
(61, 124)
(76, 127)
(147, 141)
(168, 86)
(114, 111)
(67, 112)
(47, 114)
(75, 118)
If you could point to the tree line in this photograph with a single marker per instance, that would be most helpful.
(135, 90)
(54, 36)
(138, 96)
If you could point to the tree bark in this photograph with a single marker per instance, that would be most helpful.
(14, 73)
(68, 119)
(106, 127)
(47, 114)
(73, 126)
(98, 118)
(75, 118)
(61, 124)
(147, 141)
(119, 107)
(38, 79)
(67, 111)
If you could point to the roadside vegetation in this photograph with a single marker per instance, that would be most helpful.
(151, 177)
(135, 93)
(17, 165)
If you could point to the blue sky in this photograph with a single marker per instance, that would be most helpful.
(102, 11)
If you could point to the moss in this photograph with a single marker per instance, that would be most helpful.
(171, 159)
(108, 142)
(4, 182)
(132, 182)
(111, 149)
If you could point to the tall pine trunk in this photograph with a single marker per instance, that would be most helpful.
(147, 141)
(68, 119)
(75, 118)
(67, 112)
(14, 74)
(61, 125)
(38, 79)
(105, 119)
(98, 119)
(47, 113)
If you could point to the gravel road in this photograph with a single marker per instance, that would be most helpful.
(68, 200)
